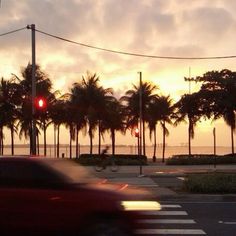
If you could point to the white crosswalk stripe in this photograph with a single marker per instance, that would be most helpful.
(165, 213)
(170, 206)
(165, 223)
(171, 231)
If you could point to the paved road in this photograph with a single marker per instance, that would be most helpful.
(215, 218)
(172, 219)
(181, 214)
(190, 218)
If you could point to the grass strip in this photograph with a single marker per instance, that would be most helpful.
(210, 183)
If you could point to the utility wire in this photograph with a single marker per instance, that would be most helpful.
(136, 54)
(13, 31)
(122, 52)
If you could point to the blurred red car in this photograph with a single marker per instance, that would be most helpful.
(41, 196)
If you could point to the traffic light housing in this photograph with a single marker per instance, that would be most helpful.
(40, 103)
(136, 132)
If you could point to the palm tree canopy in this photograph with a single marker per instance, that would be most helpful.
(43, 88)
(9, 101)
(90, 99)
(188, 107)
(132, 98)
(43, 83)
(115, 116)
(160, 109)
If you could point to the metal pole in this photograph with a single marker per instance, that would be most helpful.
(140, 122)
(33, 91)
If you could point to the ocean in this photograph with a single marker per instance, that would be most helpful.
(122, 149)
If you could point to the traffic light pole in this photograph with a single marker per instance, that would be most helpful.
(33, 145)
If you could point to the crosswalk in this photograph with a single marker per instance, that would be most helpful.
(170, 220)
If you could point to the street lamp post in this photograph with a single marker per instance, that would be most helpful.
(33, 151)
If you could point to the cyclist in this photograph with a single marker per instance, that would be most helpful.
(104, 156)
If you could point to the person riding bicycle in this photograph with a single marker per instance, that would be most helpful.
(105, 160)
(104, 156)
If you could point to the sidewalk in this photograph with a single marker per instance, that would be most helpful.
(160, 169)
(152, 177)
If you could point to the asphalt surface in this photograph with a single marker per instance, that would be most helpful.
(181, 213)
(215, 218)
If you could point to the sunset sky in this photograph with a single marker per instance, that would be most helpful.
(178, 28)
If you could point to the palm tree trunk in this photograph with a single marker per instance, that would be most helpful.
(232, 139)
(164, 142)
(12, 140)
(58, 140)
(91, 141)
(2, 144)
(70, 145)
(155, 144)
(77, 141)
(37, 138)
(144, 146)
(189, 138)
(99, 137)
(31, 144)
(113, 139)
(44, 138)
(1, 141)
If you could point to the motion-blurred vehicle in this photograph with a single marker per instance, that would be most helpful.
(46, 196)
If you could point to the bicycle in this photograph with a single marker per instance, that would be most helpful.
(104, 162)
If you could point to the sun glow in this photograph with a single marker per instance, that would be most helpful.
(205, 125)
(59, 84)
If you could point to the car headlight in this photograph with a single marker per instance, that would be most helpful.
(141, 205)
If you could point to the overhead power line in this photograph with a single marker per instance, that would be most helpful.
(136, 54)
(13, 31)
(121, 52)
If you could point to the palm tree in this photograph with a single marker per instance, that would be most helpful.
(166, 111)
(106, 101)
(114, 120)
(131, 101)
(153, 118)
(188, 107)
(44, 115)
(91, 99)
(161, 110)
(70, 124)
(59, 115)
(25, 123)
(9, 100)
(75, 119)
(43, 87)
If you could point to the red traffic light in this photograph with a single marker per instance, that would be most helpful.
(41, 103)
(136, 132)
